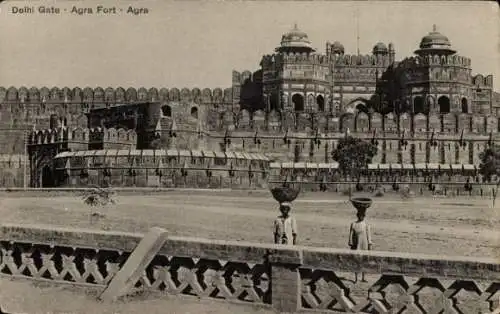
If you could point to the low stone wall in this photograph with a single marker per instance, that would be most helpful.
(72, 192)
(284, 278)
(419, 190)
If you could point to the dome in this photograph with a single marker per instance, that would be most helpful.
(380, 48)
(337, 47)
(295, 41)
(435, 42)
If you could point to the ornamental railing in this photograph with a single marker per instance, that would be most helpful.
(286, 278)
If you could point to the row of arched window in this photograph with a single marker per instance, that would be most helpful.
(299, 103)
(167, 111)
(419, 105)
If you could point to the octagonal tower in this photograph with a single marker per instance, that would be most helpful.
(295, 78)
(437, 80)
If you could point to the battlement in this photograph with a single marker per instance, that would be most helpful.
(112, 95)
(432, 60)
(280, 58)
(81, 135)
(480, 80)
(240, 78)
(361, 60)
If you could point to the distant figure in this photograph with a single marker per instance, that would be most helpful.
(285, 227)
(360, 237)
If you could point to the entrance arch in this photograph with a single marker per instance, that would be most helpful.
(418, 105)
(48, 178)
(444, 104)
(321, 103)
(465, 106)
(298, 102)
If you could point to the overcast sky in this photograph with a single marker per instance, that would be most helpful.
(198, 44)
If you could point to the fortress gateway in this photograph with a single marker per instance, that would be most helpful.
(426, 112)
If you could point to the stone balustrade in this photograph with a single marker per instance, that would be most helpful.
(284, 278)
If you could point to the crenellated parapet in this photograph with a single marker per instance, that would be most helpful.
(356, 121)
(101, 95)
(240, 78)
(482, 81)
(451, 60)
(361, 60)
(82, 136)
(305, 58)
(452, 68)
(277, 60)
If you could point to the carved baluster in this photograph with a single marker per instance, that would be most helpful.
(112, 269)
(69, 268)
(8, 261)
(184, 275)
(214, 278)
(27, 262)
(145, 283)
(92, 268)
(48, 265)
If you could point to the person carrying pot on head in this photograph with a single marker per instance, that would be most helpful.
(360, 237)
(285, 226)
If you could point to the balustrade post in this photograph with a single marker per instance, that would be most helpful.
(285, 279)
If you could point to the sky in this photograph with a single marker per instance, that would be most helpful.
(199, 43)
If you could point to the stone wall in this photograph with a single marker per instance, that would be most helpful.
(285, 278)
(206, 119)
(12, 171)
(160, 168)
(318, 147)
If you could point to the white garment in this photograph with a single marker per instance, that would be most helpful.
(285, 228)
(360, 236)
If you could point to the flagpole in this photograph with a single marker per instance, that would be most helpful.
(357, 30)
(25, 183)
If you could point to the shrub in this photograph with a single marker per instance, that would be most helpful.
(379, 192)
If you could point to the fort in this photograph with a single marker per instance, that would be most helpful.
(426, 111)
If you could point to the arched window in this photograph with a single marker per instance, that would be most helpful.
(418, 105)
(444, 104)
(166, 111)
(361, 107)
(320, 100)
(298, 102)
(274, 101)
(465, 106)
(194, 112)
(54, 121)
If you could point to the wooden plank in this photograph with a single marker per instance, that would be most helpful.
(135, 265)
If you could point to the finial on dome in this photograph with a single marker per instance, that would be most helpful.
(295, 27)
(434, 28)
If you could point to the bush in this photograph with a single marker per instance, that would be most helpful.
(379, 193)
(407, 192)
(345, 192)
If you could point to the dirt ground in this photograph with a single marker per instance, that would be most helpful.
(19, 297)
(446, 226)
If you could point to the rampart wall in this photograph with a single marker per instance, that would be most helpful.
(160, 168)
(212, 120)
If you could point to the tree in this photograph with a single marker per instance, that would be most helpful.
(98, 197)
(490, 162)
(354, 155)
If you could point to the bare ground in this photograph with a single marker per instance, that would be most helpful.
(448, 226)
(18, 297)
